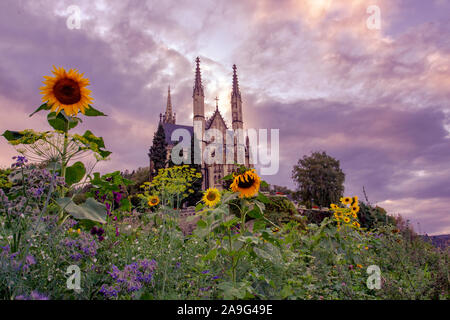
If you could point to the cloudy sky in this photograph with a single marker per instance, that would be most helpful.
(376, 99)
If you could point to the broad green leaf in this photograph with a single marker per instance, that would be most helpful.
(259, 225)
(12, 135)
(199, 206)
(255, 213)
(201, 224)
(75, 173)
(90, 210)
(125, 204)
(44, 106)
(60, 121)
(92, 112)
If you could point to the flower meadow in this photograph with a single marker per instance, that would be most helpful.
(127, 247)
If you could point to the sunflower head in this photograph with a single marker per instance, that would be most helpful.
(211, 197)
(346, 200)
(355, 201)
(355, 209)
(246, 183)
(346, 219)
(66, 91)
(153, 201)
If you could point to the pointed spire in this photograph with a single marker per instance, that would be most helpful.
(168, 117)
(217, 104)
(169, 103)
(198, 87)
(235, 91)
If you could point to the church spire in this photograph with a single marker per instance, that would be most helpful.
(168, 116)
(235, 92)
(198, 87)
(236, 103)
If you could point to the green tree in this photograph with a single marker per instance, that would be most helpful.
(319, 179)
(158, 151)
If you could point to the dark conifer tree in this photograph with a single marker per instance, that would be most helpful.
(158, 151)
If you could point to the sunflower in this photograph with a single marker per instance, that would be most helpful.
(346, 200)
(355, 201)
(153, 201)
(333, 206)
(346, 219)
(247, 183)
(211, 197)
(67, 91)
(355, 209)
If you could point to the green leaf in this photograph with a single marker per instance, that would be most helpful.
(259, 225)
(75, 173)
(59, 121)
(228, 177)
(211, 255)
(45, 106)
(201, 224)
(125, 204)
(92, 112)
(261, 197)
(12, 135)
(199, 206)
(90, 210)
(255, 213)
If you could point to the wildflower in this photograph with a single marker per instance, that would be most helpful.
(205, 271)
(346, 200)
(78, 231)
(359, 266)
(211, 197)
(153, 201)
(356, 224)
(20, 161)
(247, 184)
(66, 91)
(70, 230)
(367, 248)
(354, 209)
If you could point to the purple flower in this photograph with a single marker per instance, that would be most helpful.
(20, 161)
(94, 230)
(109, 291)
(215, 278)
(205, 271)
(34, 295)
(131, 278)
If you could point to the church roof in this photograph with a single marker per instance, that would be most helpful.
(219, 117)
(169, 128)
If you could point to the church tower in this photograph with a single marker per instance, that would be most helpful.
(236, 103)
(198, 97)
(168, 116)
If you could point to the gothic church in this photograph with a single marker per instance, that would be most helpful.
(212, 173)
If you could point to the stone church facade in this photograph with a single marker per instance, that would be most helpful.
(212, 173)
